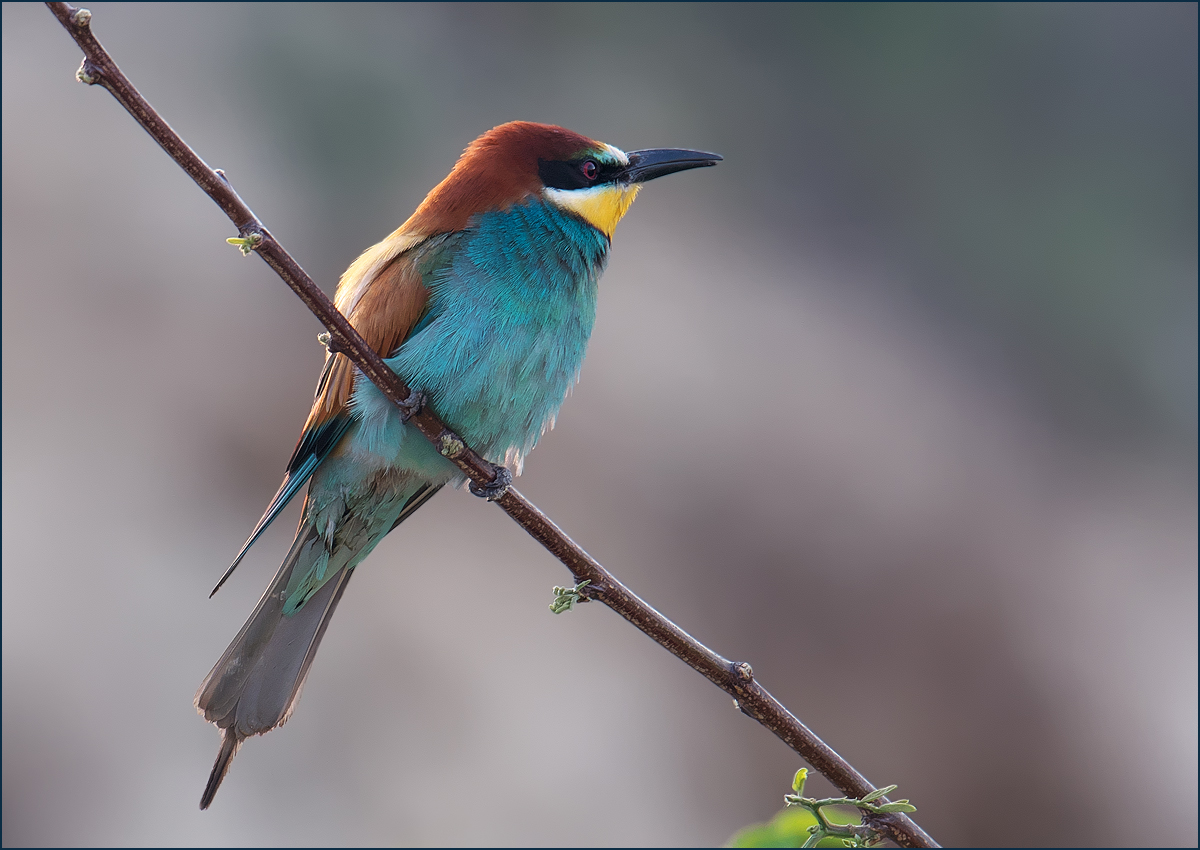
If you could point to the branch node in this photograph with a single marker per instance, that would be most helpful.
(496, 488)
(332, 345)
(88, 73)
(449, 445)
(744, 671)
(82, 18)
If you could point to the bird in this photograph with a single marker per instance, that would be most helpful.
(483, 302)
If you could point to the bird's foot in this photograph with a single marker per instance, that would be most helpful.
(412, 405)
(496, 488)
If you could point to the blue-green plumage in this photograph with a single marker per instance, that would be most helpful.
(484, 301)
(512, 301)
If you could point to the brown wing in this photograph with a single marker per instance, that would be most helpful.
(383, 308)
(385, 297)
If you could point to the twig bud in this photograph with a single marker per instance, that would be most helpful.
(798, 781)
(246, 244)
(84, 74)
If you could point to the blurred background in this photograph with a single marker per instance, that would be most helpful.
(898, 403)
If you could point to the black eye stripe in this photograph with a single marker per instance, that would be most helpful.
(568, 174)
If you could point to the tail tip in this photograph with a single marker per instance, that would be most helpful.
(229, 748)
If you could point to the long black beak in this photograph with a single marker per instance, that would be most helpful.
(646, 165)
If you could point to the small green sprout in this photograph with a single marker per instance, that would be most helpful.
(566, 597)
(246, 244)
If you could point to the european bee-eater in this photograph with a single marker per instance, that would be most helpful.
(483, 301)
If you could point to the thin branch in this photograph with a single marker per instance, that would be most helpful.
(736, 678)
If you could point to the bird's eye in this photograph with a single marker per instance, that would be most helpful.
(590, 170)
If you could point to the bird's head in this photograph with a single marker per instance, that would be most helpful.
(511, 163)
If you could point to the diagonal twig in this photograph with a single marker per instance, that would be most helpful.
(736, 678)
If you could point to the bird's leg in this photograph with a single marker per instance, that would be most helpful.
(498, 486)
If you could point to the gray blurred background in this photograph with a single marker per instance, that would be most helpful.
(898, 403)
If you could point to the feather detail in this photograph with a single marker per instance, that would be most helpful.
(383, 309)
(363, 271)
(484, 299)
(255, 685)
(497, 170)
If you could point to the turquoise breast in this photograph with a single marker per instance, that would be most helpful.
(511, 306)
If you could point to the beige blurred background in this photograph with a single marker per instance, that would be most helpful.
(898, 404)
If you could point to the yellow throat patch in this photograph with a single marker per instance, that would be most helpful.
(600, 206)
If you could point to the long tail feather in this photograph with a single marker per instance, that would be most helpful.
(256, 684)
(292, 483)
(315, 444)
(229, 748)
